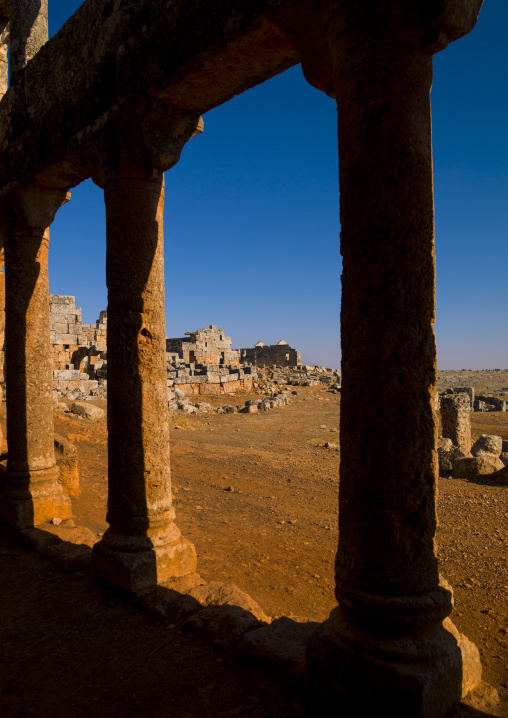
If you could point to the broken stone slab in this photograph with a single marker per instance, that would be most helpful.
(281, 645)
(446, 457)
(69, 557)
(487, 444)
(94, 413)
(225, 625)
(66, 375)
(476, 466)
(216, 593)
(68, 546)
(169, 602)
(66, 456)
(203, 406)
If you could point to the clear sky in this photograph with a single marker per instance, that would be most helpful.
(252, 213)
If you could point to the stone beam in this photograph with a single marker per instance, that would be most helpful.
(193, 58)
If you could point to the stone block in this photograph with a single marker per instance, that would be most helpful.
(140, 570)
(66, 374)
(281, 645)
(456, 419)
(87, 385)
(63, 338)
(231, 386)
(229, 377)
(250, 409)
(476, 466)
(87, 410)
(487, 444)
(214, 378)
(66, 457)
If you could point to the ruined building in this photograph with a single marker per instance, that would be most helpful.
(147, 71)
(280, 354)
(79, 350)
(205, 346)
(211, 346)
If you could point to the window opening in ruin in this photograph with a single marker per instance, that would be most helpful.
(192, 357)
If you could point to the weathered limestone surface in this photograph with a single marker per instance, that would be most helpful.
(456, 419)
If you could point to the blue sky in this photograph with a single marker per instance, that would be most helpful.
(252, 213)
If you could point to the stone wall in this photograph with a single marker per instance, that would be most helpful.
(79, 350)
(211, 379)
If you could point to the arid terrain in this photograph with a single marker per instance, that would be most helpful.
(257, 495)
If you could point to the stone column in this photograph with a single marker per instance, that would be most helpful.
(143, 545)
(32, 493)
(389, 643)
(456, 419)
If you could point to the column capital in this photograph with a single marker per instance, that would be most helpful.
(148, 135)
(32, 208)
(354, 30)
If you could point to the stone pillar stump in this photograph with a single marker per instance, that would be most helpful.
(32, 494)
(456, 419)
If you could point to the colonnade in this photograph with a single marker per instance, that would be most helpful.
(390, 634)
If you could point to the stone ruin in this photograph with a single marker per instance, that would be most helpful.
(147, 71)
(458, 456)
(79, 350)
(200, 363)
(478, 402)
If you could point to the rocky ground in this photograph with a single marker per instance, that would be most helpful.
(257, 494)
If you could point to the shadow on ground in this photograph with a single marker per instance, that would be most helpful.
(69, 648)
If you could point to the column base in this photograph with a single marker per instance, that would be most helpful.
(33, 498)
(420, 675)
(138, 570)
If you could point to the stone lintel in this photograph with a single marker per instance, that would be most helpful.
(137, 48)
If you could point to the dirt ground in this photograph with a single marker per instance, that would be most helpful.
(257, 495)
